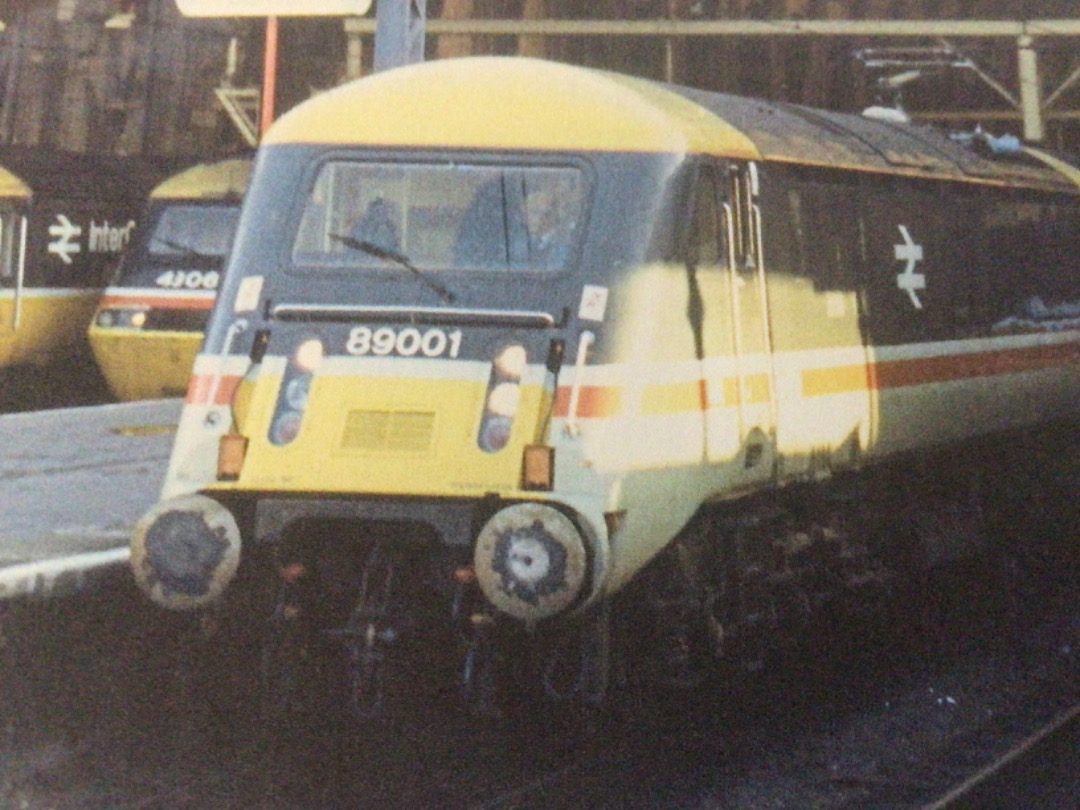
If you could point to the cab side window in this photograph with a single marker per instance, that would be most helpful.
(8, 248)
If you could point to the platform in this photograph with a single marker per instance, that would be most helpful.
(72, 484)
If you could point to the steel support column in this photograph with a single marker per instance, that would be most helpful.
(1030, 89)
(399, 33)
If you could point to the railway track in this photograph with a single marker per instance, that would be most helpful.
(101, 709)
(1039, 771)
(864, 734)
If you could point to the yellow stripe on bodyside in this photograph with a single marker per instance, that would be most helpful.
(672, 398)
(509, 103)
(818, 382)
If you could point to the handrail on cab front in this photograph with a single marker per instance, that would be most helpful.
(325, 313)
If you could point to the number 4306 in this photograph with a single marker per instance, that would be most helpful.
(189, 279)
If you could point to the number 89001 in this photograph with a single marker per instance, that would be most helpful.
(406, 342)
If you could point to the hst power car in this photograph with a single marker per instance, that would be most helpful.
(150, 320)
(561, 358)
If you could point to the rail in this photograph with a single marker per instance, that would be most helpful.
(979, 788)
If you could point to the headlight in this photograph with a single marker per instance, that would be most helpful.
(503, 399)
(121, 318)
(511, 361)
(309, 355)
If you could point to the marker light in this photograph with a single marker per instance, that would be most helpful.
(538, 468)
(511, 361)
(309, 355)
(232, 448)
(125, 318)
(502, 399)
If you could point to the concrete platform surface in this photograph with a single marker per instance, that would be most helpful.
(72, 484)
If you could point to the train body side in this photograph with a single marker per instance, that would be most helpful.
(961, 304)
(65, 220)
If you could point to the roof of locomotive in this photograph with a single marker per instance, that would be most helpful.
(522, 103)
(508, 103)
(803, 135)
(211, 181)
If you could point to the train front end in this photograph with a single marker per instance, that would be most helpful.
(150, 320)
(407, 372)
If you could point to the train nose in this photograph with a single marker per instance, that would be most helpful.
(185, 551)
(531, 561)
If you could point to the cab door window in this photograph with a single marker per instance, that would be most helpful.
(9, 248)
(745, 215)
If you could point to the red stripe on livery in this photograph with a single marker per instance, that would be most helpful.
(200, 386)
(164, 302)
(949, 368)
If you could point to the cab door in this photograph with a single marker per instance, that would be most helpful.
(12, 269)
(727, 289)
(752, 386)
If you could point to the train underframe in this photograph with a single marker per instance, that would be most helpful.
(373, 616)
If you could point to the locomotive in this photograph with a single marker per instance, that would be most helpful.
(65, 219)
(568, 360)
(150, 319)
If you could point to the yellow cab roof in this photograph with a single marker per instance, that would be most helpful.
(223, 178)
(509, 103)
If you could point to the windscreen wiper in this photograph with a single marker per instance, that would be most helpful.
(397, 258)
(186, 250)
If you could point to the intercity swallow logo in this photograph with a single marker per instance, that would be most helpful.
(66, 234)
(911, 254)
